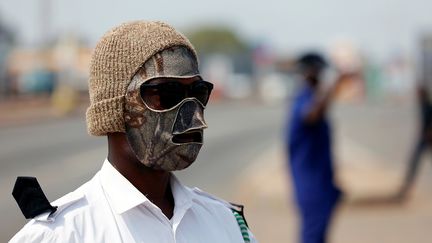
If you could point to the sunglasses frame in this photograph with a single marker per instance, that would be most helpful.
(185, 86)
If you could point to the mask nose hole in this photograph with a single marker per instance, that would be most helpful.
(189, 117)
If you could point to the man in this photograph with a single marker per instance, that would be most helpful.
(310, 151)
(147, 97)
(422, 144)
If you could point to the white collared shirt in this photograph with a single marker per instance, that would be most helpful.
(108, 208)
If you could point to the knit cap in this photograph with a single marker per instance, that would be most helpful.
(116, 58)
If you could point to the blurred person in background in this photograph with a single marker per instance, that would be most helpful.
(148, 98)
(309, 144)
(422, 144)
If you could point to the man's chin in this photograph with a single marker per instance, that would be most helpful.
(184, 158)
(178, 157)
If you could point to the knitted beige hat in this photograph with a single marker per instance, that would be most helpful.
(116, 58)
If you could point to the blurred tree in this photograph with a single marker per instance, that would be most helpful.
(7, 40)
(217, 39)
(6, 34)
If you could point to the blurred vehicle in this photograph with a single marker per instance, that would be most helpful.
(239, 86)
(275, 86)
(38, 81)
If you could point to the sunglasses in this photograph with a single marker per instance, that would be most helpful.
(166, 95)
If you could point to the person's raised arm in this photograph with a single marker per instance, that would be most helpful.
(323, 100)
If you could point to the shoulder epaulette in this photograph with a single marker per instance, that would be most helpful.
(241, 221)
(30, 197)
(237, 210)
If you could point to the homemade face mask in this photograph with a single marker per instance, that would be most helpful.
(164, 122)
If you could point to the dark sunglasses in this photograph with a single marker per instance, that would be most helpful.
(166, 95)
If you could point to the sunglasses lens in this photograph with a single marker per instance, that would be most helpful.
(167, 95)
(171, 94)
(201, 91)
(151, 97)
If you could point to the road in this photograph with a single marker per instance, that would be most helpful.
(372, 141)
(62, 156)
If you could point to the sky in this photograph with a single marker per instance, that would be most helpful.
(378, 27)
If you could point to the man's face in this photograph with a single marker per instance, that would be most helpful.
(164, 120)
(313, 74)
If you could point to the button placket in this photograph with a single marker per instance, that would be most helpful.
(157, 212)
(179, 215)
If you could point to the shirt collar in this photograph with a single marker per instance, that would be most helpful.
(124, 196)
(182, 195)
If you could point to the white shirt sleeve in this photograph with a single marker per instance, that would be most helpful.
(39, 233)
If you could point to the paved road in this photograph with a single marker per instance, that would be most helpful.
(62, 156)
(386, 129)
(372, 142)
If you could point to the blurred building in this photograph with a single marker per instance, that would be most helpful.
(36, 71)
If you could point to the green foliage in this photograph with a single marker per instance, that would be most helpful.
(217, 39)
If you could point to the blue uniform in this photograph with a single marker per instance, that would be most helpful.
(310, 159)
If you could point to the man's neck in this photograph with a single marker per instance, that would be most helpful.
(154, 184)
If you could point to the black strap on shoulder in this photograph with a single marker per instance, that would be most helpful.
(240, 210)
(30, 197)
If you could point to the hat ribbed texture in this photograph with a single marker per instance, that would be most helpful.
(116, 58)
